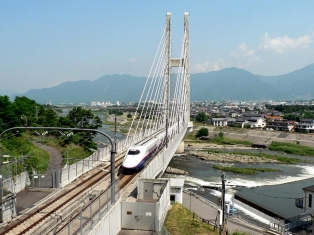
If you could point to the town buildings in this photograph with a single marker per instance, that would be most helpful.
(250, 115)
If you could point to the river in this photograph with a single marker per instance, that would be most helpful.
(275, 191)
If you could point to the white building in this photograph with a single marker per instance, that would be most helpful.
(256, 122)
(220, 121)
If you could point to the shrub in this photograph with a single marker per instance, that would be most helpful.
(202, 132)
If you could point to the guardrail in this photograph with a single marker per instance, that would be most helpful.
(92, 213)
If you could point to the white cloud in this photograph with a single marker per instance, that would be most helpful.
(282, 44)
(243, 51)
(209, 66)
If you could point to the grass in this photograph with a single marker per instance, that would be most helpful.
(71, 153)
(123, 130)
(246, 170)
(230, 141)
(217, 140)
(280, 159)
(292, 148)
(21, 146)
(180, 222)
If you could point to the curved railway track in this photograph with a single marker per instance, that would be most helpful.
(58, 206)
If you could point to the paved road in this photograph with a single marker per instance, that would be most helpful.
(208, 212)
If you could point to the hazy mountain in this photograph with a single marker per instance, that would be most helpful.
(7, 92)
(106, 88)
(229, 83)
(297, 84)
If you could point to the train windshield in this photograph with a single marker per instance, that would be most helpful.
(133, 152)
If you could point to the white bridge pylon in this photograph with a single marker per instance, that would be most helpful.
(165, 99)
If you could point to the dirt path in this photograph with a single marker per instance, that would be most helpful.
(56, 157)
(29, 197)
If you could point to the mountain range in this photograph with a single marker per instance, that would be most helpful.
(229, 83)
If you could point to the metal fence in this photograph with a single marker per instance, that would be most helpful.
(14, 176)
(202, 198)
(294, 223)
(90, 211)
(239, 215)
(252, 221)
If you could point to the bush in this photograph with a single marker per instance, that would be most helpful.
(201, 117)
(221, 135)
(202, 132)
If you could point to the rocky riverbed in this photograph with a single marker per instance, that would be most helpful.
(171, 170)
(225, 157)
(199, 150)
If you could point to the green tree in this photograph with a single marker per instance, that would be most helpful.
(201, 117)
(8, 117)
(27, 107)
(116, 112)
(49, 118)
(202, 132)
(308, 115)
(80, 118)
(129, 115)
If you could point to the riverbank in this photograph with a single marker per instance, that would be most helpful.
(199, 150)
(274, 191)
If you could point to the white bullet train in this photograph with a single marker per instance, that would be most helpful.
(139, 155)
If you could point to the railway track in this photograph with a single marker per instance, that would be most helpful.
(48, 216)
(93, 210)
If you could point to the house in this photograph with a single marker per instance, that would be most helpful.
(305, 127)
(251, 121)
(233, 114)
(307, 204)
(283, 125)
(220, 121)
(256, 122)
(308, 121)
(274, 118)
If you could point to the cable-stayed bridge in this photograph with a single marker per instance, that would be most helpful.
(165, 101)
(92, 205)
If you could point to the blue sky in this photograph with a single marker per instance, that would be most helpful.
(45, 43)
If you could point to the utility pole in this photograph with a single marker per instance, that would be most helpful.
(223, 187)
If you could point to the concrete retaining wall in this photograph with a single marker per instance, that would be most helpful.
(17, 184)
(163, 206)
(9, 208)
(111, 223)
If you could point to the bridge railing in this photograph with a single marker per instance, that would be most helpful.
(92, 210)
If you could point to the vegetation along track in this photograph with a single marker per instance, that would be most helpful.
(39, 218)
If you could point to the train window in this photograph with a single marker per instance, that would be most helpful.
(133, 152)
